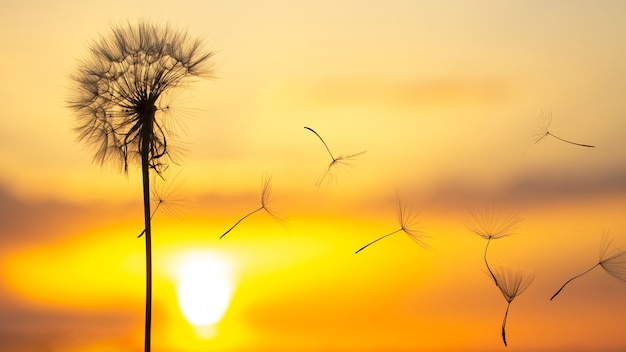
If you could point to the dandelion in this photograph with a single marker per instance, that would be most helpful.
(120, 97)
(511, 284)
(491, 225)
(265, 200)
(408, 224)
(543, 130)
(613, 262)
(339, 163)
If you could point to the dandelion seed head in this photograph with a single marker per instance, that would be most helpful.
(166, 196)
(489, 223)
(119, 89)
(409, 222)
(543, 129)
(266, 200)
(512, 283)
(337, 166)
(613, 261)
(266, 191)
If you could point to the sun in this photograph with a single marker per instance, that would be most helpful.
(205, 288)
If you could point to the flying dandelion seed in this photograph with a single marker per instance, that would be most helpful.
(613, 262)
(408, 224)
(511, 284)
(336, 165)
(265, 200)
(491, 225)
(164, 196)
(543, 130)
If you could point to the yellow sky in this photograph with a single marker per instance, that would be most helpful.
(442, 96)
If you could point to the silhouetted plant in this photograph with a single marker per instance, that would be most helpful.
(119, 94)
(613, 262)
(543, 130)
(491, 225)
(336, 164)
(511, 284)
(408, 224)
(265, 200)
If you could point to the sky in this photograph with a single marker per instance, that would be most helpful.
(444, 99)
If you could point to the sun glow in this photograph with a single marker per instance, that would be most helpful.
(205, 288)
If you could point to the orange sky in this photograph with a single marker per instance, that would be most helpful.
(442, 96)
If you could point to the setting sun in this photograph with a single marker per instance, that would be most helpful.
(204, 289)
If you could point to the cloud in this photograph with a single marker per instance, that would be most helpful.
(534, 187)
(408, 94)
(25, 221)
(27, 329)
(538, 187)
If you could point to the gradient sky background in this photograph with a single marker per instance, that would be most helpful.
(444, 97)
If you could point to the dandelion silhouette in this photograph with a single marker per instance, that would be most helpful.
(491, 225)
(543, 130)
(613, 262)
(265, 200)
(511, 284)
(119, 98)
(408, 225)
(338, 163)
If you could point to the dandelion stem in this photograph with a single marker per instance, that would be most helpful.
(570, 142)
(321, 139)
(376, 240)
(146, 135)
(487, 263)
(240, 220)
(506, 314)
(575, 277)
